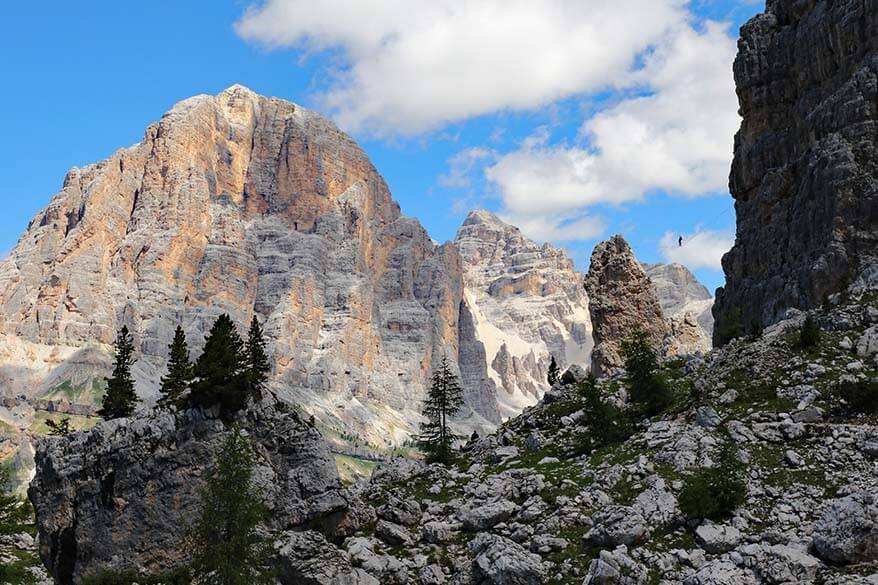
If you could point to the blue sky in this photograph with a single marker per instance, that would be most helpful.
(540, 111)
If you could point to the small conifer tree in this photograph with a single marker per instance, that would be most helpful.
(646, 384)
(715, 492)
(221, 370)
(258, 366)
(120, 397)
(60, 427)
(809, 334)
(444, 399)
(179, 376)
(227, 548)
(607, 424)
(14, 511)
(554, 372)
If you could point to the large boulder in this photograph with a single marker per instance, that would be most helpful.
(500, 561)
(122, 496)
(847, 530)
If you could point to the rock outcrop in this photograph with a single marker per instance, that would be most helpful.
(527, 305)
(249, 205)
(805, 172)
(621, 299)
(122, 496)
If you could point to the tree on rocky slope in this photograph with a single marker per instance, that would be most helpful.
(554, 372)
(14, 512)
(444, 399)
(60, 427)
(221, 375)
(120, 397)
(809, 334)
(646, 384)
(179, 376)
(715, 492)
(607, 424)
(226, 545)
(258, 366)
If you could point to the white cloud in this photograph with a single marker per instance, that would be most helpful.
(678, 138)
(408, 66)
(703, 249)
(557, 228)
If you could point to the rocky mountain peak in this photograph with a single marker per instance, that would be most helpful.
(242, 204)
(528, 305)
(686, 303)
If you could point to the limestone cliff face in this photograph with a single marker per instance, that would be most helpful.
(806, 165)
(686, 304)
(249, 205)
(527, 303)
(621, 299)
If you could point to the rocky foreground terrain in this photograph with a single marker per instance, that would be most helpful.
(543, 500)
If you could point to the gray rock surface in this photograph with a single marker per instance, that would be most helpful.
(500, 561)
(805, 169)
(117, 497)
(847, 530)
(686, 303)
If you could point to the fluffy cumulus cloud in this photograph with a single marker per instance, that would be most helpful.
(408, 66)
(703, 249)
(676, 137)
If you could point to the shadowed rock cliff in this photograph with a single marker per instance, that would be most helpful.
(805, 173)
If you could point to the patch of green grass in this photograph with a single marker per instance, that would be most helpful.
(85, 393)
(78, 423)
(16, 572)
(352, 469)
(625, 491)
(578, 553)
(620, 454)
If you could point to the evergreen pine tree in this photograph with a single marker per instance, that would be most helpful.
(607, 424)
(179, 375)
(443, 400)
(645, 382)
(14, 512)
(120, 397)
(221, 370)
(554, 372)
(60, 427)
(809, 334)
(258, 366)
(226, 547)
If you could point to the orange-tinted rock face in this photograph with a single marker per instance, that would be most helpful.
(248, 205)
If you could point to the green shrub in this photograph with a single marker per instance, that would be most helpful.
(728, 327)
(608, 425)
(861, 396)
(714, 492)
(809, 334)
(646, 385)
